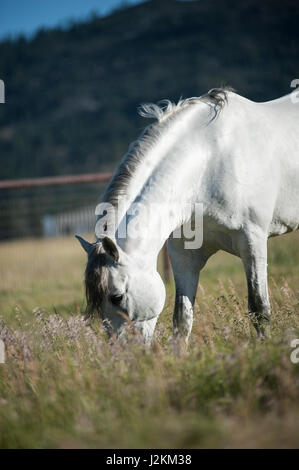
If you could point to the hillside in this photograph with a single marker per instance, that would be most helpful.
(71, 95)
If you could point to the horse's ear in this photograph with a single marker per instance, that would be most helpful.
(85, 244)
(110, 248)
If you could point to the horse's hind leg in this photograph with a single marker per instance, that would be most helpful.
(186, 266)
(253, 251)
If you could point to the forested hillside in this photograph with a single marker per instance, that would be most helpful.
(72, 93)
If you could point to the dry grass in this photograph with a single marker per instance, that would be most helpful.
(64, 385)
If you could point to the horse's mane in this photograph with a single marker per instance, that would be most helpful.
(166, 108)
(96, 279)
(161, 112)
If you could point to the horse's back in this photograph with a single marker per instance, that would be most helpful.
(285, 112)
(287, 103)
(256, 163)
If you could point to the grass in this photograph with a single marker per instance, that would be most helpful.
(64, 385)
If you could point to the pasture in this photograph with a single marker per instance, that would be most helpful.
(63, 385)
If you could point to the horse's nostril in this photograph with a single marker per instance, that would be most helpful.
(116, 299)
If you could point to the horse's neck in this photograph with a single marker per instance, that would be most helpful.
(166, 141)
(149, 224)
(163, 203)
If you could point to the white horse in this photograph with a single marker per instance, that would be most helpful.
(240, 161)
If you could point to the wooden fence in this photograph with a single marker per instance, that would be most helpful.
(56, 180)
(68, 222)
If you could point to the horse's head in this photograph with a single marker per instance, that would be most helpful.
(121, 290)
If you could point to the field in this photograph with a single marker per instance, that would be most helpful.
(63, 385)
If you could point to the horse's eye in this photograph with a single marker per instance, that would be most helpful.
(116, 299)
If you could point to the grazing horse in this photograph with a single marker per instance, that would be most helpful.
(239, 161)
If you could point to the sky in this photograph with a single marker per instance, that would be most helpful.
(26, 16)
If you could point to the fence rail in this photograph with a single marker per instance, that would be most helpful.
(56, 180)
(44, 214)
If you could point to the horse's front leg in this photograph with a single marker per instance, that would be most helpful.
(254, 257)
(183, 314)
(186, 265)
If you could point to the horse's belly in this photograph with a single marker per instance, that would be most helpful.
(277, 228)
(281, 225)
(286, 214)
